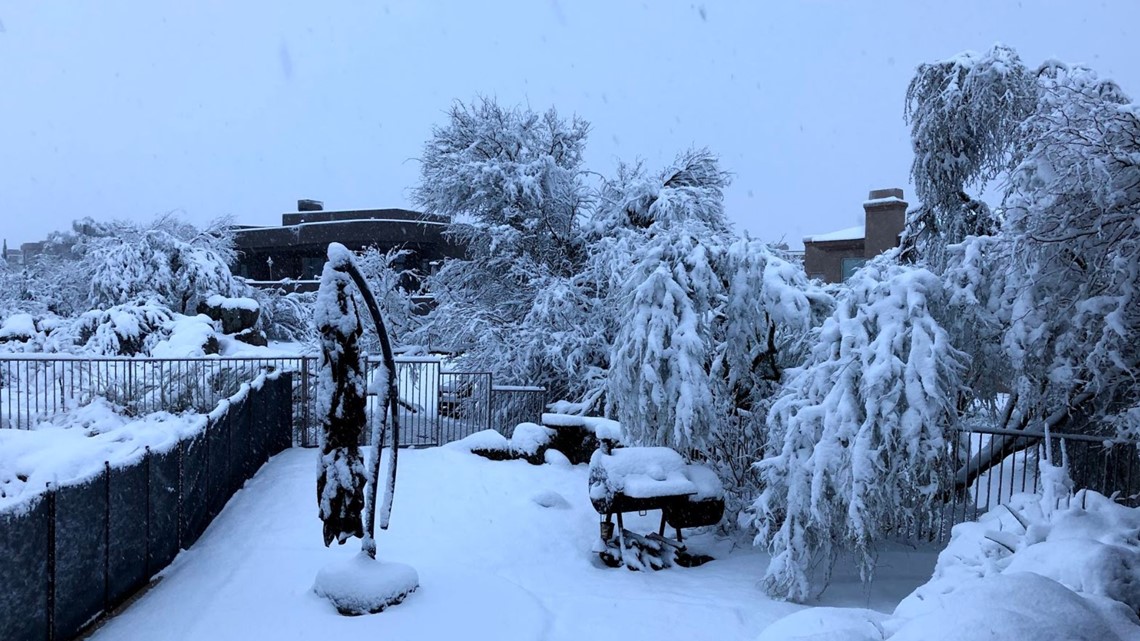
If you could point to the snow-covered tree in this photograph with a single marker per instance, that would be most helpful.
(101, 264)
(1073, 207)
(659, 384)
(763, 329)
(965, 113)
(340, 404)
(389, 280)
(859, 433)
(1053, 277)
(511, 181)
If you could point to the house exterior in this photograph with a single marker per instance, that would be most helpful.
(834, 256)
(296, 250)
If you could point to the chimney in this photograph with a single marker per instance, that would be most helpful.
(885, 216)
(310, 205)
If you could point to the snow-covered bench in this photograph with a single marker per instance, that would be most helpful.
(638, 479)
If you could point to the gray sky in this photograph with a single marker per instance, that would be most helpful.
(117, 109)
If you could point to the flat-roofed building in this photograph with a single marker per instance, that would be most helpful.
(834, 256)
(297, 248)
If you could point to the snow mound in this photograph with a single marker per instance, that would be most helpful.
(1038, 568)
(554, 457)
(1089, 546)
(550, 498)
(362, 585)
(487, 440)
(827, 624)
(74, 445)
(1011, 606)
(528, 438)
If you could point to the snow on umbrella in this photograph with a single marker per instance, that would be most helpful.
(362, 584)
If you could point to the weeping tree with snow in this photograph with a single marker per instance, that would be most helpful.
(659, 384)
(859, 433)
(763, 329)
(1074, 201)
(1047, 288)
(965, 114)
(707, 323)
(346, 490)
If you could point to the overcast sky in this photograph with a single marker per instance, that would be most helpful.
(116, 109)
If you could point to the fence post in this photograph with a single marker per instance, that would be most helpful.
(147, 455)
(51, 563)
(107, 535)
(305, 402)
(178, 497)
(490, 400)
(435, 410)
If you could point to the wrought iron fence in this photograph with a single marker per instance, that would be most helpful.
(989, 466)
(436, 405)
(34, 388)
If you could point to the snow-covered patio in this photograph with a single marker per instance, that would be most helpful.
(493, 564)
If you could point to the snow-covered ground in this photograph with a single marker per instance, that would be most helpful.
(493, 563)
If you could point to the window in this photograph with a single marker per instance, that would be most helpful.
(311, 267)
(852, 264)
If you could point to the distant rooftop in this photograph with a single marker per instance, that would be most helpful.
(851, 233)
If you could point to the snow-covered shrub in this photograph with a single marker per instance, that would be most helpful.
(168, 260)
(189, 337)
(859, 433)
(121, 330)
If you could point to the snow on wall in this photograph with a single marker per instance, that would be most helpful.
(225, 302)
(75, 445)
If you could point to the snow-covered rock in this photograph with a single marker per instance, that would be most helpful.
(487, 440)
(18, 327)
(554, 457)
(235, 314)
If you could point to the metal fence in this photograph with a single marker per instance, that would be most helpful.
(436, 405)
(82, 548)
(34, 388)
(989, 466)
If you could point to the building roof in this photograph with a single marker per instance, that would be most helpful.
(851, 233)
